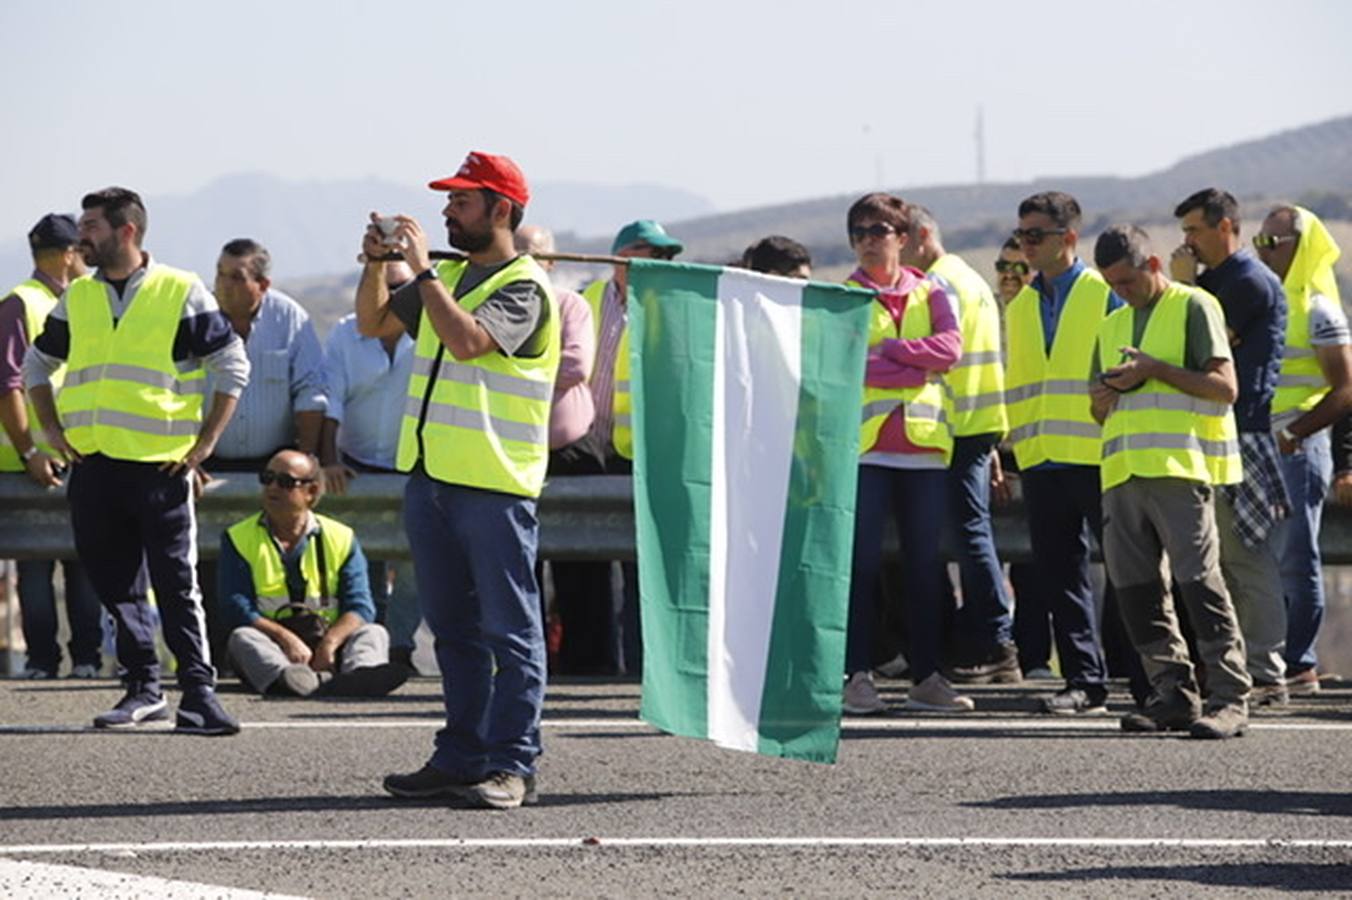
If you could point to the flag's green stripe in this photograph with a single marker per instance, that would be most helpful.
(673, 320)
(800, 707)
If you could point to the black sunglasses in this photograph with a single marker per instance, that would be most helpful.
(1009, 265)
(877, 229)
(284, 481)
(1036, 236)
(1271, 241)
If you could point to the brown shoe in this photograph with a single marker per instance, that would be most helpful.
(1156, 718)
(504, 790)
(1221, 722)
(1303, 683)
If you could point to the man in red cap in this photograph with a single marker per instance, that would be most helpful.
(475, 436)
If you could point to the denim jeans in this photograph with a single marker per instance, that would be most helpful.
(397, 608)
(37, 603)
(474, 554)
(985, 619)
(1307, 474)
(918, 499)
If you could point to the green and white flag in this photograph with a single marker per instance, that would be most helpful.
(747, 390)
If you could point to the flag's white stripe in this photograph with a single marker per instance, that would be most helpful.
(757, 374)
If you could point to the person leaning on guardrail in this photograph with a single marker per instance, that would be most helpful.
(475, 436)
(1162, 385)
(54, 242)
(137, 337)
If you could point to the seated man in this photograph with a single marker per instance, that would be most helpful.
(293, 587)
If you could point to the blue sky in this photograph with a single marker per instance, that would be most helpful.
(743, 102)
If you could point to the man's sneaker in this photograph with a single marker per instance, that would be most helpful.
(1302, 684)
(1157, 717)
(296, 680)
(84, 671)
(368, 681)
(1221, 722)
(935, 694)
(1269, 695)
(138, 707)
(504, 790)
(1076, 702)
(896, 667)
(427, 782)
(1001, 666)
(861, 696)
(201, 713)
(32, 673)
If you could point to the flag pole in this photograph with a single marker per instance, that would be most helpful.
(594, 258)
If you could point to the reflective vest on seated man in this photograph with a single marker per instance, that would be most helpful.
(321, 567)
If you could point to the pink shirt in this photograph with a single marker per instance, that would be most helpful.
(573, 410)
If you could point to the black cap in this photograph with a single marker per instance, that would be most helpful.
(54, 231)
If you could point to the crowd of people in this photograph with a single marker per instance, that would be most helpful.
(1173, 406)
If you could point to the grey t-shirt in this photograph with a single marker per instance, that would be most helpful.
(515, 315)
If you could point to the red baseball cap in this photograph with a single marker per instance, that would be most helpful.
(484, 170)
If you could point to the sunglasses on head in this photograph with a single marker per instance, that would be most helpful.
(283, 480)
(1271, 241)
(1018, 267)
(877, 229)
(1035, 236)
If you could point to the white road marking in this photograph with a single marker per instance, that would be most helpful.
(30, 879)
(1099, 843)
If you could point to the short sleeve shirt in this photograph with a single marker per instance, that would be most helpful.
(515, 315)
(1204, 341)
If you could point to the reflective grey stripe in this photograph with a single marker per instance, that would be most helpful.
(622, 420)
(927, 411)
(984, 358)
(622, 386)
(1158, 441)
(497, 382)
(1297, 353)
(143, 424)
(978, 401)
(878, 408)
(136, 375)
(422, 365)
(1062, 387)
(412, 406)
(478, 420)
(1142, 400)
(1313, 381)
(1055, 428)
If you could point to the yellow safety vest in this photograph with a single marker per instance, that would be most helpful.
(622, 434)
(1047, 397)
(1301, 383)
(978, 380)
(483, 422)
(1158, 431)
(37, 302)
(332, 545)
(928, 408)
(124, 395)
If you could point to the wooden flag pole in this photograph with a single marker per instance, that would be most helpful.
(594, 258)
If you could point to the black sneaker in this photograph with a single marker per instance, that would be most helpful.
(425, 783)
(368, 681)
(1076, 702)
(504, 790)
(140, 707)
(201, 713)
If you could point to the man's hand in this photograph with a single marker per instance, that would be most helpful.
(336, 477)
(1183, 265)
(1102, 401)
(325, 655)
(56, 438)
(200, 479)
(1342, 489)
(1002, 486)
(414, 241)
(199, 453)
(43, 470)
(295, 649)
(373, 244)
(1136, 367)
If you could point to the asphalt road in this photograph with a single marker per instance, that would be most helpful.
(1002, 802)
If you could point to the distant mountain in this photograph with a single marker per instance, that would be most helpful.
(314, 227)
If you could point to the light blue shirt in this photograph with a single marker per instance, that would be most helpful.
(287, 377)
(367, 392)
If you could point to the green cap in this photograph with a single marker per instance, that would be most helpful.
(645, 231)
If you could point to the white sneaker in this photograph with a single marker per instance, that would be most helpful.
(861, 696)
(935, 694)
(84, 670)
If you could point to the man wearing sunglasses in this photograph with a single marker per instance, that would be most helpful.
(295, 593)
(1314, 390)
(982, 648)
(1251, 514)
(1056, 439)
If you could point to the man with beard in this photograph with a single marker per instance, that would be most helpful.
(137, 338)
(475, 435)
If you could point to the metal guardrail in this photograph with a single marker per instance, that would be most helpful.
(581, 517)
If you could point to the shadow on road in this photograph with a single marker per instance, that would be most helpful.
(1291, 803)
(1283, 876)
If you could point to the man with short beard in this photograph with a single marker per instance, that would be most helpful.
(138, 339)
(475, 435)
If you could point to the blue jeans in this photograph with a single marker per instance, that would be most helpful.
(918, 499)
(474, 555)
(37, 602)
(396, 609)
(1307, 475)
(985, 619)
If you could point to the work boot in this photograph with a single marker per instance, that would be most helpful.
(1230, 720)
(1001, 666)
(504, 790)
(1159, 717)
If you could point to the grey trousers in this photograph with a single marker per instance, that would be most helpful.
(1144, 519)
(259, 660)
(1254, 577)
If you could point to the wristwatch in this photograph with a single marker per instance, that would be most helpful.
(427, 274)
(1288, 436)
(28, 454)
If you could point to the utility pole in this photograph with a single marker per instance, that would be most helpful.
(980, 146)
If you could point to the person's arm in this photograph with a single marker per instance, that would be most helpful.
(1216, 383)
(461, 333)
(336, 475)
(1342, 461)
(309, 393)
(356, 608)
(941, 349)
(1332, 344)
(579, 344)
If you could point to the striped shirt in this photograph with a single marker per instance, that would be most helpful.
(614, 320)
